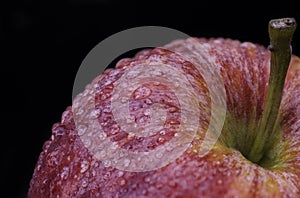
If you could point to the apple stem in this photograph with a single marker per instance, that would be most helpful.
(280, 32)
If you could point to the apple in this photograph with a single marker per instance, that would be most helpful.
(257, 152)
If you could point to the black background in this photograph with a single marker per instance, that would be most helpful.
(44, 43)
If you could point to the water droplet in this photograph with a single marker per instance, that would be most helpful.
(162, 132)
(107, 175)
(52, 159)
(86, 141)
(102, 136)
(147, 179)
(81, 129)
(103, 96)
(238, 172)
(95, 113)
(107, 163)
(102, 154)
(93, 173)
(169, 148)
(86, 92)
(172, 122)
(39, 167)
(57, 129)
(84, 183)
(114, 72)
(124, 100)
(132, 74)
(156, 83)
(131, 135)
(120, 173)
(114, 146)
(130, 119)
(107, 81)
(122, 182)
(45, 181)
(142, 92)
(65, 173)
(195, 151)
(107, 109)
(65, 116)
(126, 162)
(228, 174)
(140, 139)
(90, 98)
(147, 112)
(176, 84)
(172, 109)
(130, 89)
(161, 140)
(148, 101)
(159, 155)
(84, 166)
(152, 133)
(162, 118)
(115, 129)
(190, 129)
(157, 73)
(142, 119)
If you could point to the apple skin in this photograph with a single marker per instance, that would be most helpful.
(65, 167)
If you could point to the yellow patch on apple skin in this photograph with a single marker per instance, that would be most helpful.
(249, 179)
(295, 63)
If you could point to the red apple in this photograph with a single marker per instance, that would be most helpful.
(257, 154)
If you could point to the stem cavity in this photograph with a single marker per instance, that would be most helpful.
(280, 32)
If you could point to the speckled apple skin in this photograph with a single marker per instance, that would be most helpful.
(66, 168)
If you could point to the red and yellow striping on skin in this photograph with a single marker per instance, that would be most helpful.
(66, 169)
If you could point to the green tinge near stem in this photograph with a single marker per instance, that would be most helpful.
(280, 32)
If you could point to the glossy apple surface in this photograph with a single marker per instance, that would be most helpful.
(67, 169)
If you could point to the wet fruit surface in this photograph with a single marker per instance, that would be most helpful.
(66, 168)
